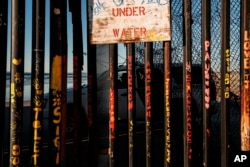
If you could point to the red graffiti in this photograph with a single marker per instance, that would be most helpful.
(112, 112)
(130, 83)
(246, 60)
(188, 110)
(148, 90)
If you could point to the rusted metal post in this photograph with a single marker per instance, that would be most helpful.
(206, 75)
(245, 76)
(167, 99)
(58, 81)
(37, 88)
(187, 86)
(3, 55)
(148, 98)
(113, 105)
(16, 80)
(75, 8)
(225, 81)
(131, 101)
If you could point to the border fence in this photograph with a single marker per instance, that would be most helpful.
(183, 102)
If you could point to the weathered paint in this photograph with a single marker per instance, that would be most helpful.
(56, 73)
(129, 21)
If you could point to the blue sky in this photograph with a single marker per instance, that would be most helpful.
(28, 38)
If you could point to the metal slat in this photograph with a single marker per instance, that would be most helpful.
(37, 89)
(206, 78)
(187, 86)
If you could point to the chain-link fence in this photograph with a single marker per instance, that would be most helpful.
(196, 51)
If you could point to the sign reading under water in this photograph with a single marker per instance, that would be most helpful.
(125, 21)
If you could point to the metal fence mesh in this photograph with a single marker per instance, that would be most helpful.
(177, 57)
(177, 33)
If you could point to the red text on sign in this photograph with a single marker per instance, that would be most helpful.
(128, 11)
(130, 33)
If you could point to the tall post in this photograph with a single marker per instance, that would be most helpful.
(148, 98)
(187, 86)
(75, 8)
(16, 80)
(37, 88)
(58, 81)
(3, 55)
(167, 99)
(131, 101)
(113, 104)
(245, 76)
(225, 80)
(92, 97)
(206, 75)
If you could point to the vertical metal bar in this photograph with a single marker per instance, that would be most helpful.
(245, 76)
(225, 80)
(167, 99)
(187, 86)
(206, 75)
(113, 104)
(37, 88)
(131, 101)
(75, 8)
(92, 105)
(148, 97)
(92, 97)
(16, 80)
(64, 81)
(58, 80)
(3, 54)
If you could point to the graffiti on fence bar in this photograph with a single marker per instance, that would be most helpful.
(16, 81)
(131, 103)
(37, 125)
(245, 114)
(129, 21)
(57, 121)
(148, 105)
(246, 60)
(56, 106)
(207, 75)
(227, 74)
(16, 108)
(112, 112)
(130, 84)
(148, 90)
(167, 105)
(188, 111)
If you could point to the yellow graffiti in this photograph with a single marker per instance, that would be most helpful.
(227, 75)
(154, 37)
(18, 77)
(167, 121)
(16, 61)
(36, 122)
(15, 159)
(56, 73)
